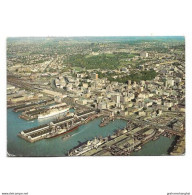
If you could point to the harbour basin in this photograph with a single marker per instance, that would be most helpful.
(54, 146)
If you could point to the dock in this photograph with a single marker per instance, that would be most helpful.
(32, 105)
(35, 112)
(41, 132)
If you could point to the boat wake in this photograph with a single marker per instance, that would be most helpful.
(75, 134)
(79, 132)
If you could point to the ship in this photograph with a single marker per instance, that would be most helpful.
(86, 146)
(59, 131)
(105, 121)
(56, 133)
(52, 112)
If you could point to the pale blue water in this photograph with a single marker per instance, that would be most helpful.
(58, 147)
(54, 146)
(155, 148)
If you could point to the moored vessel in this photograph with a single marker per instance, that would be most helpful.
(53, 112)
(137, 148)
(58, 131)
(66, 137)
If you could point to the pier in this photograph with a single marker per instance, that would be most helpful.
(174, 132)
(36, 112)
(25, 107)
(68, 123)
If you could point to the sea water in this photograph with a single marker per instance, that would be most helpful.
(58, 147)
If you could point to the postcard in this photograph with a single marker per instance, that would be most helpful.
(96, 96)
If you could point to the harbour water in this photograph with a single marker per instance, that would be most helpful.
(54, 146)
(58, 147)
(155, 148)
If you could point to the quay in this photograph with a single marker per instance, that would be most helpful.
(31, 114)
(178, 146)
(174, 132)
(11, 104)
(68, 123)
(36, 112)
(123, 142)
(32, 105)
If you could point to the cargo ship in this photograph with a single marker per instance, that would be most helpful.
(59, 131)
(53, 111)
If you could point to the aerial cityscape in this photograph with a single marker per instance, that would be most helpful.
(96, 96)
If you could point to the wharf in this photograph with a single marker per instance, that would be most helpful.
(122, 143)
(109, 145)
(26, 107)
(32, 114)
(35, 112)
(69, 123)
(21, 103)
(178, 146)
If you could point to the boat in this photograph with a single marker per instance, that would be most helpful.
(89, 119)
(66, 137)
(53, 112)
(62, 131)
(106, 120)
(85, 147)
(137, 149)
(155, 138)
